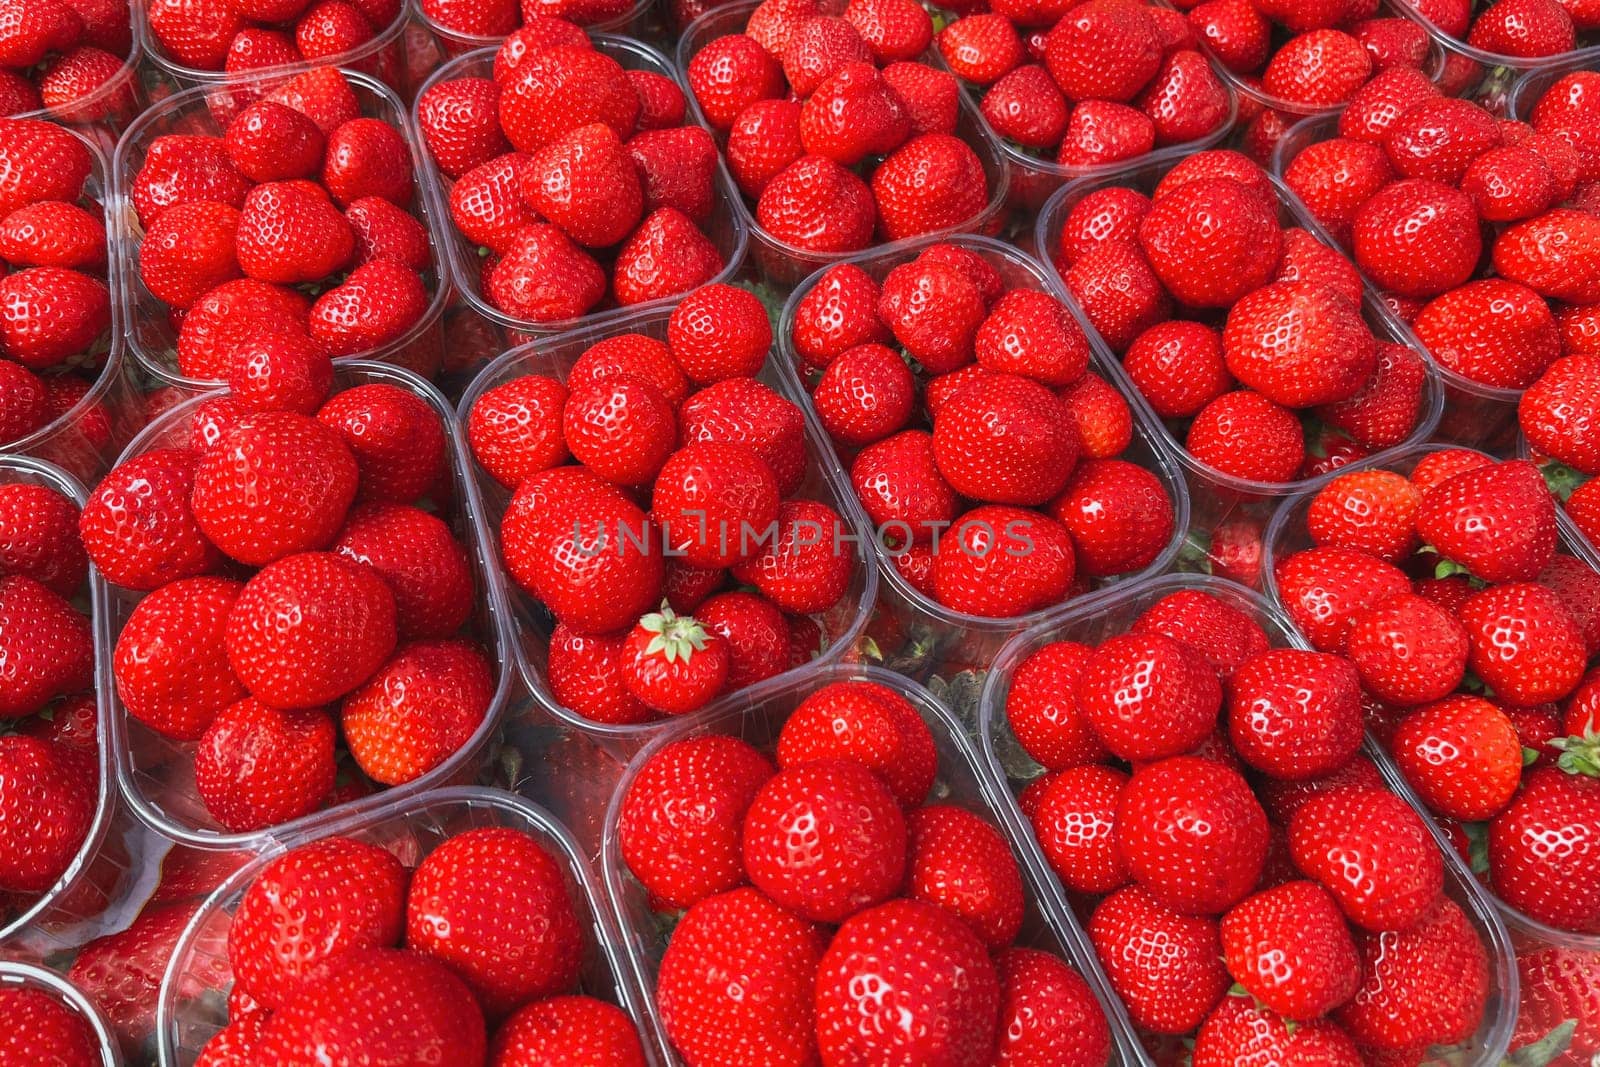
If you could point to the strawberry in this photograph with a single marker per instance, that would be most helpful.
(1211, 241)
(418, 709)
(257, 49)
(229, 314)
(494, 905)
(1005, 439)
(170, 667)
(1524, 28)
(121, 972)
(542, 276)
(1369, 511)
(632, 354)
(1462, 755)
(53, 233)
(817, 48)
(1135, 680)
(1000, 561)
(1383, 413)
(621, 428)
(377, 304)
(585, 183)
(419, 559)
(933, 182)
(981, 48)
(864, 395)
(235, 753)
(1238, 1029)
(47, 804)
(931, 975)
(868, 724)
(332, 619)
(1493, 331)
(667, 255)
(396, 438)
(584, 673)
(374, 1004)
(48, 315)
(677, 169)
(279, 370)
(41, 162)
(1497, 521)
(1335, 179)
(744, 411)
(768, 1010)
(1278, 340)
(1525, 644)
(852, 114)
(1556, 413)
(1556, 984)
(1245, 434)
(1100, 217)
(1372, 852)
(181, 169)
(1435, 468)
(662, 105)
(1553, 254)
(1178, 367)
(24, 406)
(460, 123)
(805, 569)
(46, 651)
(960, 862)
(1323, 589)
(1423, 985)
(309, 905)
(367, 157)
(572, 1029)
(1100, 132)
(934, 311)
(270, 142)
(477, 19)
(486, 204)
(44, 1026)
(290, 232)
(1409, 650)
(1047, 1013)
(561, 89)
(672, 664)
(39, 537)
(1317, 69)
(755, 633)
(1074, 823)
(1510, 184)
(1166, 967)
(1103, 51)
(1548, 885)
(1026, 107)
(1224, 635)
(1293, 714)
(817, 205)
(763, 141)
(718, 332)
(1186, 101)
(730, 74)
(1290, 948)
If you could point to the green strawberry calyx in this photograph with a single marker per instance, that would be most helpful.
(675, 637)
(1579, 754)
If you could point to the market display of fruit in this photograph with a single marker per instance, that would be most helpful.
(72, 61)
(846, 891)
(297, 232)
(837, 129)
(1194, 777)
(816, 533)
(997, 435)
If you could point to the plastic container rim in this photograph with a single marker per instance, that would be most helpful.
(16, 974)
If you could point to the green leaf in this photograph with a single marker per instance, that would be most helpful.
(1545, 1050)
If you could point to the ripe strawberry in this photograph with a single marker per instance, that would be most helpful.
(1223, 634)
(1178, 367)
(47, 804)
(632, 354)
(181, 169)
(418, 709)
(1493, 331)
(376, 305)
(256, 49)
(1383, 413)
(718, 332)
(1423, 985)
(291, 232)
(677, 169)
(1548, 885)
(279, 370)
(730, 74)
(763, 141)
(817, 48)
(1462, 755)
(375, 1004)
(1369, 511)
(1497, 521)
(460, 123)
(999, 561)
(1103, 51)
(48, 315)
(958, 861)
(584, 182)
(1295, 715)
(1134, 681)
(308, 906)
(1306, 259)
(767, 1010)
(852, 114)
(933, 182)
(667, 255)
(1290, 948)
(41, 1025)
(1553, 254)
(1323, 589)
(1119, 516)
(1418, 238)
(1524, 28)
(24, 407)
(662, 105)
(486, 204)
(396, 438)
(53, 233)
(1211, 241)
(868, 724)
(864, 395)
(1244, 434)
(930, 969)
(981, 48)
(367, 157)
(170, 666)
(1557, 984)
(934, 311)
(1166, 967)
(744, 411)
(1005, 439)
(1189, 831)
(46, 651)
(258, 766)
(571, 1029)
(1408, 649)
(1317, 69)
(1525, 644)
(1074, 821)
(493, 904)
(562, 88)
(1279, 340)
(477, 19)
(1239, 1028)
(817, 205)
(807, 568)
(1047, 1013)
(229, 314)
(542, 276)
(1372, 852)
(1026, 107)
(621, 428)
(672, 664)
(1100, 132)
(584, 673)
(755, 633)
(39, 537)
(712, 501)
(41, 162)
(1556, 413)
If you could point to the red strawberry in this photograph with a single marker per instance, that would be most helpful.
(1244, 434)
(1293, 714)
(1525, 644)
(477, 19)
(45, 652)
(1557, 984)
(494, 905)
(42, 1025)
(424, 566)
(1101, 132)
(1005, 439)
(53, 233)
(271, 142)
(1524, 28)
(378, 303)
(730, 74)
(1042, 707)
(1238, 1028)
(1211, 241)
(672, 664)
(39, 537)
(375, 1004)
(396, 438)
(928, 973)
(1290, 948)
(41, 162)
(291, 232)
(1496, 332)
(170, 666)
(585, 183)
(542, 276)
(1419, 986)
(257, 766)
(1323, 589)
(662, 104)
(1549, 885)
(47, 805)
(1134, 681)
(48, 315)
(854, 849)
(367, 157)
(999, 561)
(1370, 511)
(585, 674)
(418, 709)
(981, 48)
(806, 568)
(960, 862)
(1166, 967)
(189, 251)
(817, 205)
(1074, 821)
(933, 182)
(1383, 413)
(1497, 521)
(460, 123)
(229, 314)
(854, 113)
(1103, 51)
(817, 49)
(308, 906)
(1372, 852)
(180, 169)
(1408, 649)
(486, 204)
(572, 1029)
(1317, 69)
(767, 1008)
(666, 255)
(560, 89)
(1462, 755)
(677, 169)
(763, 141)
(121, 972)
(718, 332)
(280, 370)
(865, 723)
(1047, 1013)
(1280, 340)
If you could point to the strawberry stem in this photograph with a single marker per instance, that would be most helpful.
(676, 637)
(1579, 755)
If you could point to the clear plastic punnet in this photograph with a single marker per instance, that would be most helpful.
(1010, 764)
(26, 976)
(105, 112)
(780, 263)
(156, 774)
(1225, 510)
(725, 227)
(193, 1005)
(757, 717)
(151, 335)
(634, 22)
(64, 915)
(937, 638)
(531, 625)
(1490, 75)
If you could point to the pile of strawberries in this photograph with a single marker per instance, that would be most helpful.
(1522, 29)
(238, 36)
(649, 479)
(55, 308)
(1246, 334)
(1247, 843)
(1104, 82)
(501, 18)
(807, 101)
(341, 954)
(301, 586)
(49, 767)
(999, 492)
(832, 909)
(300, 196)
(578, 177)
(1430, 192)
(1470, 634)
(38, 1020)
(56, 53)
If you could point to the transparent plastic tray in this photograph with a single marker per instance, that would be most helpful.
(632, 23)
(758, 717)
(63, 916)
(384, 58)
(64, 441)
(1483, 416)
(25, 976)
(100, 114)
(943, 635)
(531, 625)
(1495, 73)
(156, 774)
(192, 1010)
(1287, 535)
(1578, 541)
(1008, 762)
(1216, 497)
(1533, 83)
(150, 333)
(725, 228)
(783, 264)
